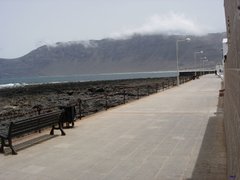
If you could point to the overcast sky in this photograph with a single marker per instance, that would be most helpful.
(28, 24)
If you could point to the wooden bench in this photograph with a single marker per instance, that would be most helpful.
(19, 127)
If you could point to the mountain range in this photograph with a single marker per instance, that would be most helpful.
(137, 53)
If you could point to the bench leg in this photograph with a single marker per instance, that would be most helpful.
(60, 128)
(11, 146)
(52, 130)
(62, 132)
(2, 146)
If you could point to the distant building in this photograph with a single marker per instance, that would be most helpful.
(220, 67)
(225, 47)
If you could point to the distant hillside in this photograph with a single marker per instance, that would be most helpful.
(138, 53)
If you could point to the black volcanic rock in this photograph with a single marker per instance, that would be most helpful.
(138, 53)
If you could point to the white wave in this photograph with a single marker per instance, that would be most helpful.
(12, 85)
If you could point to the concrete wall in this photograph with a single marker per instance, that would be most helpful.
(232, 88)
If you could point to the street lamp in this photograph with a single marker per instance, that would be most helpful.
(195, 59)
(204, 59)
(179, 40)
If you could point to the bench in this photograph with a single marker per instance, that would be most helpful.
(19, 127)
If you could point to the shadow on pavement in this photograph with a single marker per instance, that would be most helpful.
(31, 142)
(211, 161)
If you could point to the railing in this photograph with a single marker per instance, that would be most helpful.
(33, 112)
(104, 101)
(121, 95)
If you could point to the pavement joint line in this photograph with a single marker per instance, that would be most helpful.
(195, 144)
(175, 147)
(152, 150)
(190, 155)
(161, 144)
(117, 140)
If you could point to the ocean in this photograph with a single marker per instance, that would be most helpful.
(14, 82)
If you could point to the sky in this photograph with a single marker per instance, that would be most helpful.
(28, 24)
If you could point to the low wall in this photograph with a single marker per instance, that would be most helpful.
(232, 89)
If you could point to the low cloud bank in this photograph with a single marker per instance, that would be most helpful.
(169, 24)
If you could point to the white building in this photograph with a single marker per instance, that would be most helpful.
(220, 67)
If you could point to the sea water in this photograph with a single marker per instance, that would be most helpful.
(14, 82)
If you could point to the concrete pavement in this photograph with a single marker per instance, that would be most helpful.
(173, 134)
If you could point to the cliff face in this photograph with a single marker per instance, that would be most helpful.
(232, 88)
(138, 53)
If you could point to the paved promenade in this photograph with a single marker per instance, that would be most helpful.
(175, 134)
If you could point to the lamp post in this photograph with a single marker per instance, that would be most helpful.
(179, 40)
(204, 59)
(195, 60)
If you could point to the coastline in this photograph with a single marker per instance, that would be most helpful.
(20, 101)
(37, 80)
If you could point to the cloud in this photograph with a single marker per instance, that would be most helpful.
(170, 24)
(43, 42)
(52, 44)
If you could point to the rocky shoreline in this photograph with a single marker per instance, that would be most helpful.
(23, 101)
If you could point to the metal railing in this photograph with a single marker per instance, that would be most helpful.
(119, 95)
